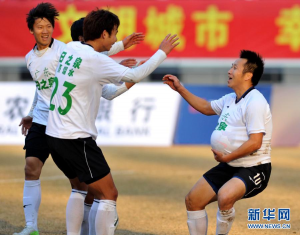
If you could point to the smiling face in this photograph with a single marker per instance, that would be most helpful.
(236, 77)
(110, 39)
(42, 32)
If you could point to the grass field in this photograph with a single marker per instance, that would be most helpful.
(152, 184)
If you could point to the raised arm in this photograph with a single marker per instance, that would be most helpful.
(137, 74)
(200, 104)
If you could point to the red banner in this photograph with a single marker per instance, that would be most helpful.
(207, 29)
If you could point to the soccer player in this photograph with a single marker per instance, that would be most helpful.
(240, 142)
(91, 204)
(82, 72)
(42, 62)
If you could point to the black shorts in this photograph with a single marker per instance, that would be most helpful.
(36, 142)
(255, 178)
(80, 158)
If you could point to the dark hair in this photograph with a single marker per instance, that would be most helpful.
(254, 65)
(77, 29)
(42, 10)
(97, 21)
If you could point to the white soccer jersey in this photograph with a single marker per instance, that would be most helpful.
(42, 68)
(81, 74)
(237, 121)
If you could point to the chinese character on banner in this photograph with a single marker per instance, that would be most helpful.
(127, 16)
(284, 214)
(16, 107)
(254, 214)
(269, 214)
(142, 105)
(289, 28)
(159, 24)
(66, 19)
(212, 30)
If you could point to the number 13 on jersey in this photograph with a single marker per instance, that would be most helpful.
(66, 94)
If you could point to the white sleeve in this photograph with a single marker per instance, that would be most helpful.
(217, 105)
(30, 114)
(255, 117)
(111, 91)
(137, 74)
(116, 48)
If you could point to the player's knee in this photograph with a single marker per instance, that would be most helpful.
(224, 201)
(32, 172)
(114, 194)
(190, 203)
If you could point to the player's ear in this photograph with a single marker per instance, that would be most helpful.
(248, 76)
(104, 34)
(31, 31)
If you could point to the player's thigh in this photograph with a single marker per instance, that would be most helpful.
(76, 184)
(200, 195)
(36, 143)
(231, 191)
(104, 188)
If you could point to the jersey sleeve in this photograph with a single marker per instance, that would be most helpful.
(217, 105)
(255, 116)
(106, 70)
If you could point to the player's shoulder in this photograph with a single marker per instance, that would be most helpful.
(256, 99)
(229, 97)
(57, 44)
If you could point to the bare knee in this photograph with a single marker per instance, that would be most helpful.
(33, 169)
(192, 204)
(225, 202)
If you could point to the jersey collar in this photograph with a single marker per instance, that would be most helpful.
(50, 45)
(243, 96)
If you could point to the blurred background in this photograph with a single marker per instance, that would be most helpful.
(212, 33)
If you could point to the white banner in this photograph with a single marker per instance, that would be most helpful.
(15, 102)
(145, 115)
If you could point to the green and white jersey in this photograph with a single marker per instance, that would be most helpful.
(42, 66)
(237, 121)
(80, 76)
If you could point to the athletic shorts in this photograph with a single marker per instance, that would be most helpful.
(80, 158)
(255, 178)
(36, 142)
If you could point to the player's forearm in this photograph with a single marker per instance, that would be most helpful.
(137, 74)
(200, 104)
(250, 146)
(111, 91)
(30, 114)
(116, 48)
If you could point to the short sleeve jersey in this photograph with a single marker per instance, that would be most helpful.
(237, 121)
(80, 76)
(42, 69)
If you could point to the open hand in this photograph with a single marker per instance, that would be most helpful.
(133, 39)
(172, 81)
(169, 43)
(128, 62)
(25, 124)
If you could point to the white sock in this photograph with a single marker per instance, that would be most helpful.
(85, 221)
(31, 201)
(106, 218)
(92, 217)
(224, 221)
(75, 211)
(197, 222)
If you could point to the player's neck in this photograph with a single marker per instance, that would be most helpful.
(239, 91)
(41, 47)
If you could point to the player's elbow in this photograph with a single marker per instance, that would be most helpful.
(257, 145)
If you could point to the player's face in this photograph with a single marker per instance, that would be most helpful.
(112, 38)
(235, 73)
(42, 32)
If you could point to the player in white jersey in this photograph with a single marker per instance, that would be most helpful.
(91, 204)
(42, 61)
(240, 142)
(81, 74)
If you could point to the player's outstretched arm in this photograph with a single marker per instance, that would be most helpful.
(200, 104)
(137, 74)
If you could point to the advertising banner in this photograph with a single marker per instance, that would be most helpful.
(145, 115)
(207, 29)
